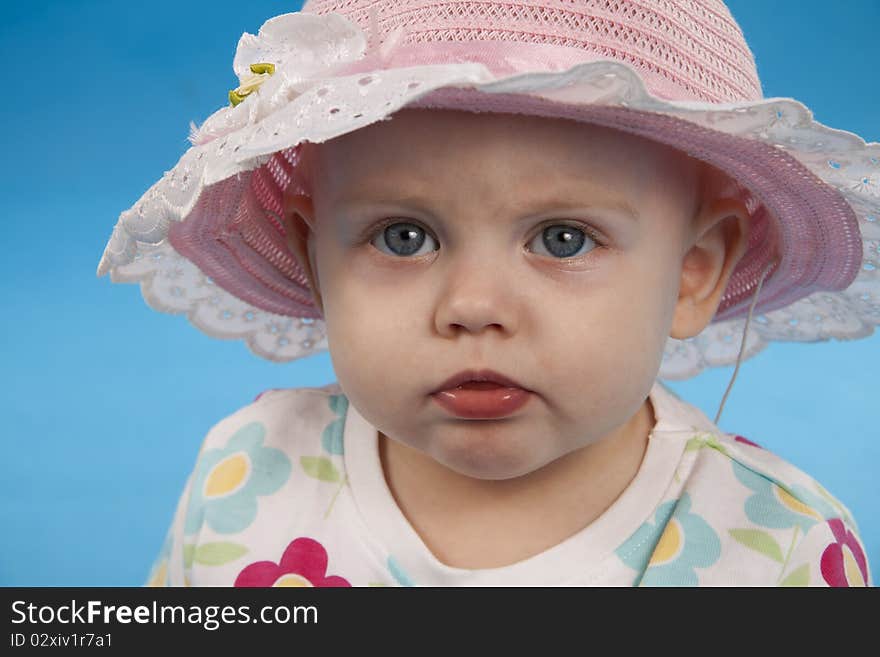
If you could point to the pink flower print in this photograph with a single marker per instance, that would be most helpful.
(304, 563)
(843, 562)
(743, 439)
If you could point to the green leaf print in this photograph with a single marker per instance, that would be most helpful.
(217, 554)
(319, 467)
(798, 577)
(188, 553)
(704, 440)
(760, 541)
(693, 444)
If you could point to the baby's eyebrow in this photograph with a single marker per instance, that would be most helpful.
(557, 202)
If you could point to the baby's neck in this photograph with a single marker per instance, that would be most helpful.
(479, 523)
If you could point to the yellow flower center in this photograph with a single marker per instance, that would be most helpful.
(851, 568)
(669, 545)
(227, 476)
(292, 579)
(261, 71)
(790, 502)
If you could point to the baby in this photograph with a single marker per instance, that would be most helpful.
(559, 256)
(498, 289)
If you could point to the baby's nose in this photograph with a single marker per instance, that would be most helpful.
(477, 296)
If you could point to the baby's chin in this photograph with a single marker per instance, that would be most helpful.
(490, 459)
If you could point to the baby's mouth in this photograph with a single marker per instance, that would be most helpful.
(478, 379)
(479, 385)
(481, 400)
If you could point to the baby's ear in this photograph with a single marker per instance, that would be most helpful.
(299, 223)
(718, 241)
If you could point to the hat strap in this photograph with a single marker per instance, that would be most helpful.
(743, 343)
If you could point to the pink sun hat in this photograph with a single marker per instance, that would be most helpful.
(206, 239)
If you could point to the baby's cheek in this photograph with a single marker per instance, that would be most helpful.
(600, 375)
(643, 311)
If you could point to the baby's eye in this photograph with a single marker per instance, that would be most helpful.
(560, 240)
(403, 239)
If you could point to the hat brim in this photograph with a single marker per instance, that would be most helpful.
(203, 240)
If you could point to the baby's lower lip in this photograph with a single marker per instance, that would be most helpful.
(481, 400)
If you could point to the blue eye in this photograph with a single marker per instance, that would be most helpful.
(402, 239)
(561, 240)
(405, 239)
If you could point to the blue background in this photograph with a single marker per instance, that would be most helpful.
(106, 401)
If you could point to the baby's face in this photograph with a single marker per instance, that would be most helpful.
(546, 250)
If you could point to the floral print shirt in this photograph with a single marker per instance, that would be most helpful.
(289, 491)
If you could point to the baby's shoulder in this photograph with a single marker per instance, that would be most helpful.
(283, 418)
(299, 395)
(773, 484)
(723, 469)
(764, 520)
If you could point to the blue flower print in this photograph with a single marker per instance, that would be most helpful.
(227, 481)
(331, 439)
(777, 508)
(668, 550)
(636, 550)
(398, 573)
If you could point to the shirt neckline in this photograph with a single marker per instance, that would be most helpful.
(675, 421)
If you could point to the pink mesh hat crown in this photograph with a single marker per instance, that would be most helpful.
(207, 240)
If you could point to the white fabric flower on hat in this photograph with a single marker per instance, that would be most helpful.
(300, 45)
(288, 54)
